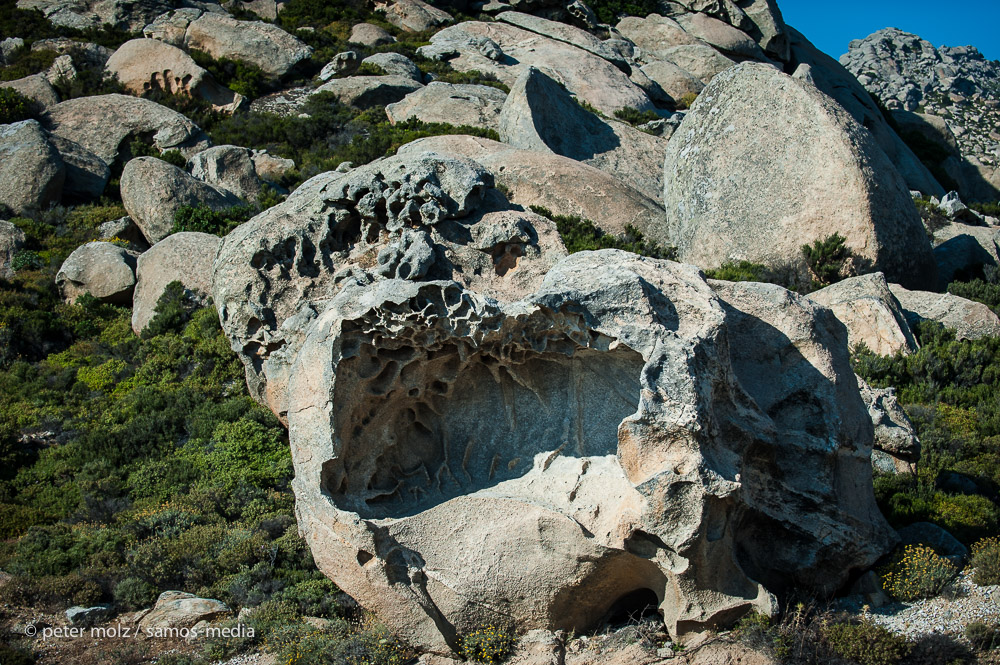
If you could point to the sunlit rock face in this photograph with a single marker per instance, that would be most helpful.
(485, 431)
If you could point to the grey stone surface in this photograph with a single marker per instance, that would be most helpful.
(106, 123)
(35, 87)
(540, 115)
(895, 436)
(416, 15)
(103, 270)
(229, 167)
(86, 174)
(11, 242)
(456, 104)
(741, 185)
(31, 171)
(129, 15)
(969, 319)
(368, 34)
(367, 91)
(176, 609)
(153, 191)
(395, 64)
(185, 257)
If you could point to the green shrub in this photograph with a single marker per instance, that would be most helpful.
(12, 655)
(979, 290)
(686, 101)
(25, 62)
(239, 76)
(991, 209)
(635, 117)
(739, 271)
(759, 632)
(867, 643)
(321, 13)
(611, 11)
(25, 259)
(917, 572)
(580, 235)
(134, 593)
(826, 258)
(985, 561)
(206, 220)
(173, 310)
(490, 644)
(983, 636)
(337, 643)
(15, 107)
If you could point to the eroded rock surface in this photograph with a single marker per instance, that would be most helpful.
(462, 461)
(103, 270)
(185, 257)
(871, 313)
(897, 447)
(764, 163)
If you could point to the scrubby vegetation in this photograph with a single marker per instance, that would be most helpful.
(917, 572)
(490, 645)
(985, 562)
(15, 107)
(580, 234)
(826, 259)
(205, 220)
(636, 117)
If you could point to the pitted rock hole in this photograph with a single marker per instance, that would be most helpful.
(423, 426)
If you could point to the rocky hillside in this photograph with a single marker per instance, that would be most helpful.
(562, 332)
(948, 96)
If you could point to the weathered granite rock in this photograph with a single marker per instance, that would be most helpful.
(560, 184)
(35, 87)
(395, 64)
(153, 191)
(871, 313)
(271, 167)
(741, 186)
(142, 65)
(343, 64)
(9, 46)
(461, 461)
(106, 123)
(88, 616)
(86, 174)
(969, 319)
(721, 35)
(925, 533)
(569, 34)
(125, 229)
(506, 51)
(31, 171)
(540, 115)
(831, 77)
(367, 91)
(130, 15)
(221, 36)
(673, 80)
(176, 609)
(87, 53)
(184, 257)
(416, 15)
(368, 34)
(423, 216)
(456, 104)
(963, 250)
(228, 167)
(896, 446)
(11, 242)
(103, 270)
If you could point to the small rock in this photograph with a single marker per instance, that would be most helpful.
(87, 616)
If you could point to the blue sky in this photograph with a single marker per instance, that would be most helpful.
(832, 25)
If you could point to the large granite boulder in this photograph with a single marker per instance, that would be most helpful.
(86, 174)
(560, 184)
(541, 115)
(367, 91)
(871, 313)
(129, 15)
(222, 36)
(142, 65)
(765, 163)
(395, 64)
(721, 35)
(968, 318)
(229, 167)
(153, 191)
(105, 124)
(963, 251)
(896, 447)
(185, 257)
(675, 82)
(102, 269)
(506, 51)
(663, 39)
(627, 427)
(368, 34)
(456, 104)
(176, 609)
(418, 216)
(569, 34)
(32, 173)
(415, 15)
(35, 87)
(11, 242)
(833, 79)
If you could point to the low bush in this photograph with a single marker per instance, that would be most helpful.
(686, 101)
(983, 636)
(917, 572)
(867, 643)
(580, 235)
(134, 593)
(985, 561)
(760, 632)
(489, 645)
(242, 77)
(15, 107)
(612, 11)
(636, 117)
(740, 271)
(991, 209)
(25, 62)
(206, 220)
